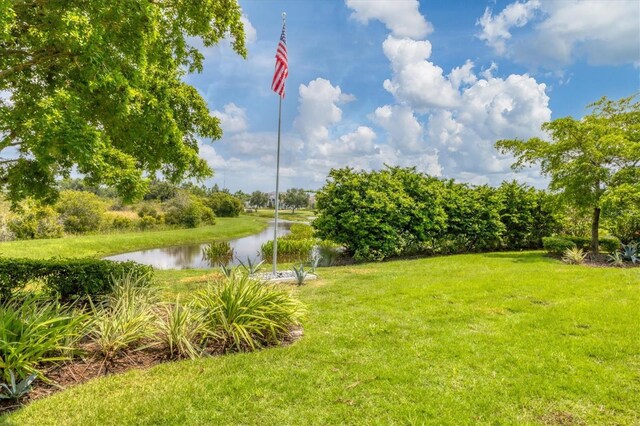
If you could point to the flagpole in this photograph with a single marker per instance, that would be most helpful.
(277, 203)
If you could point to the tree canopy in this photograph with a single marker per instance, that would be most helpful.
(96, 86)
(589, 160)
(295, 198)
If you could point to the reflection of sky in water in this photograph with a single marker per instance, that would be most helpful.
(184, 257)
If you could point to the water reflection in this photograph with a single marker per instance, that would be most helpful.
(188, 257)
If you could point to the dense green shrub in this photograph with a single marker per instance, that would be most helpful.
(557, 245)
(224, 204)
(147, 222)
(580, 242)
(35, 331)
(241, 314)
(80, 211)
(527, 215)
(148, 210)
(189, 211)
(121, 222)
(65, 278)
(379, 214)
(35, 221)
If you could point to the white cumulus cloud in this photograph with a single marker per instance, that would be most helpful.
(233, 119)
(401, 17)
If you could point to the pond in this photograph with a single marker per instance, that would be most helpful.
(190, 256)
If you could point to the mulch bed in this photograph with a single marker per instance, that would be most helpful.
(82, 369)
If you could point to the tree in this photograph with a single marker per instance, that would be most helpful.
(259, 199)
(98, 86)
(80, 211)
(224, 204)
(588, 160)
(295, 198)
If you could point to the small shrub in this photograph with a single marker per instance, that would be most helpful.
(188, 210)
(583, 243)
(126, 320)
(557, 245)
(80, 211)
(218, 253)
(121, 223)
(610, 244)
(242, 314)
(180, 330)
(148, 210)
(225, 205)
(147, 222)
(35, 332)
(574, 256)
(34, 221)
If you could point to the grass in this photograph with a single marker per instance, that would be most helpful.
(509, 338)
(104, 245)
(298, 216)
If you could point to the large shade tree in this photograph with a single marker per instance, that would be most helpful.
(97, 86)
(589, 160)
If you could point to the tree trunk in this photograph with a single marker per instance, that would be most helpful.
(595, 224)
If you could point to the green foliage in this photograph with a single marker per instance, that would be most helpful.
(557, 245)
(65, 278)
(299, 231)
(121, 223)
(587, 160)
(527, 216)
(218, 252)
(126, 320)
(34, 332)
(224, 205)
(300, 274)
(295, 198)
(258, 199)
(160, 190)
(98, 87)
(379, 214)
(16, 390)
(243, 314)
(35, 221)
(180, 330)
(288, 249)
(148, 210)
(630, 253)
(189, 211)
(574, 256)
(80, 212)
(610, 244)
(147, 222)
(616, 259)
(251, 266)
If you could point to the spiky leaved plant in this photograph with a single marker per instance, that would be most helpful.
(574, 256)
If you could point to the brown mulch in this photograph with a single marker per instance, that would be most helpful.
(82, 369)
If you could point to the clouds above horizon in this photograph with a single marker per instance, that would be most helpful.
(442, 117)
(557, 33)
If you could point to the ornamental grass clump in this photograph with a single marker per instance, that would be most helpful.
(126, 319)
(243, 314)
(180, 330)
(34, 332)
(218, 253)
(574, 256)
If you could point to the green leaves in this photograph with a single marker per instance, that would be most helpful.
(99, 86)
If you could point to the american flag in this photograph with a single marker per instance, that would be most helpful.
(282, 65)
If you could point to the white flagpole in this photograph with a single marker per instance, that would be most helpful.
(277, 202)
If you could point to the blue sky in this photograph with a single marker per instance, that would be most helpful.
(429, 84)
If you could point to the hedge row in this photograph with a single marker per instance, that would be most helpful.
(559, 244)
(66, 278)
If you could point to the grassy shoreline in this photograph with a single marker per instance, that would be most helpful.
(510, 338)
(101, 245)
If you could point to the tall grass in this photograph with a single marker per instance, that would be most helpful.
(299, 231)
(243, 314)
(218, 253)
(180, 330)
(288, 249)
(33, 332)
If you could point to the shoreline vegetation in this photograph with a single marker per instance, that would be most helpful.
(100, 245)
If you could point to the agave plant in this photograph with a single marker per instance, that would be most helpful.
(574, 256)
(615, 259)
(630, 252)
(300, 274)
(17, 390)
(252, 266)
(314, 262)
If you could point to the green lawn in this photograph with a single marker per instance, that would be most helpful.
(298, 216)
(509, 338)
(106, 244)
